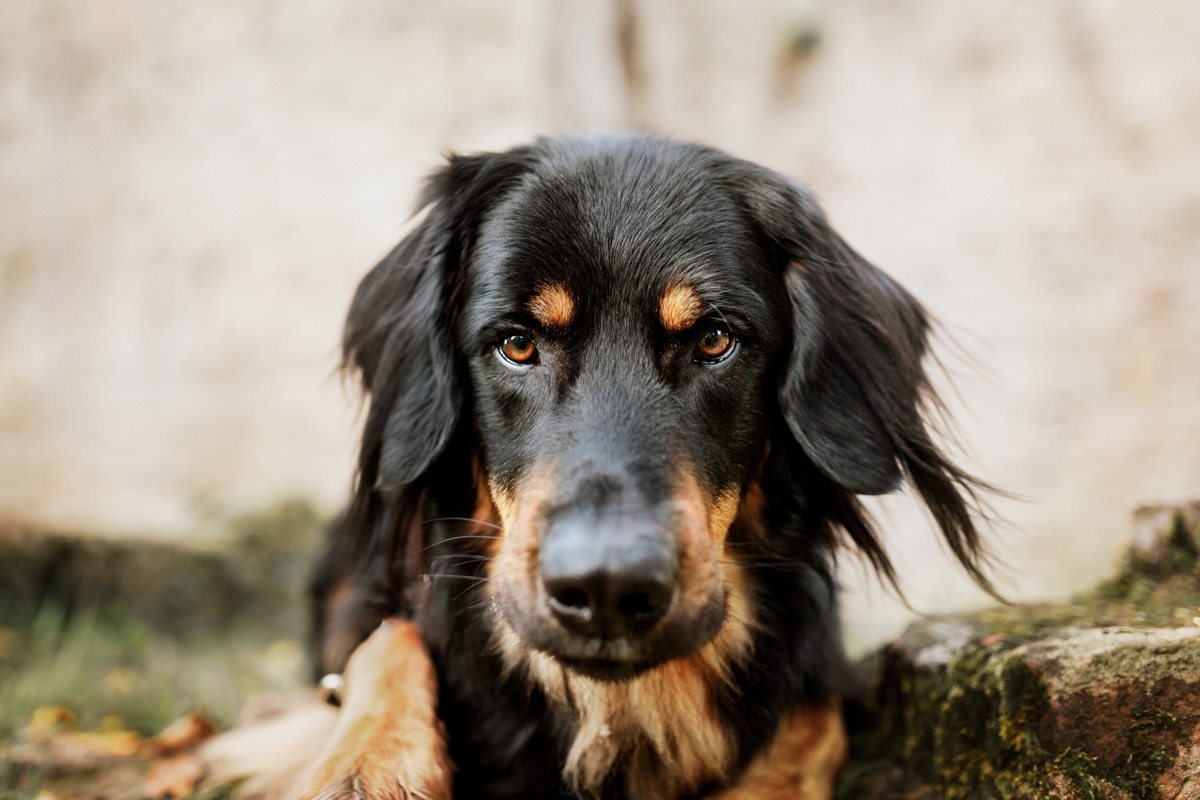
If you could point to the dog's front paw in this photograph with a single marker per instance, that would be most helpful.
(381, 773)
(389, 743)
(360, 787)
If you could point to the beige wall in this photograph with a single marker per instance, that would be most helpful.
(189, 191)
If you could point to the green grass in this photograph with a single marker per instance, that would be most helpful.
(132, 635)
(101, 664)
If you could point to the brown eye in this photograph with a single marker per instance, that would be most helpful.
(715, 345)
(518, 349)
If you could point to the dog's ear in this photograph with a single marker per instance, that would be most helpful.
(399, 339)
(854, 392)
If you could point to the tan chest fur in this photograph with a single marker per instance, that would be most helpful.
(662, 727)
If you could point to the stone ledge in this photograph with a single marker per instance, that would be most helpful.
(1097, 697)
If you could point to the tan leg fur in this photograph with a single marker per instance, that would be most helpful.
(388, 743)
(801, 763)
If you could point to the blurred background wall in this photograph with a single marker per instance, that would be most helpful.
(189, 192)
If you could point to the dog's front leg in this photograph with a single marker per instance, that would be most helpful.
(801, 763)
(388, 743)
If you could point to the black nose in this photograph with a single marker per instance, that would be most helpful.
(604, 580)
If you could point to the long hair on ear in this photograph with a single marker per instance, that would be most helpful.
(855, 394)
(398, 341)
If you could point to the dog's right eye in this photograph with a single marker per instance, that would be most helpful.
(518, 349)
(716, 345)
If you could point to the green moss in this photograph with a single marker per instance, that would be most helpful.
(1157, 585)
(1138, 774)
(969, 728)
(982, 711)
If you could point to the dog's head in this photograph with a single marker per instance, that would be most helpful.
(657, 361)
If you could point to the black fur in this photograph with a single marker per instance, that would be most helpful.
(831, 386)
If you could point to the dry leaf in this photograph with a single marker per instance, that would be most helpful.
(184, 733)
(46, 722)
(173, 777)
(101, 744)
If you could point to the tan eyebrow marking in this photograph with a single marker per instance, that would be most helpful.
(553, 306)
(680, 307)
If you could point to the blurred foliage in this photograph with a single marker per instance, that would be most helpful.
(147, 631)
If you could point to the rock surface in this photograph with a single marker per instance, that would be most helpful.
(1098, 697)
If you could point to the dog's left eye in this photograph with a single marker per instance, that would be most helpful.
(518, 349)
(715, 345)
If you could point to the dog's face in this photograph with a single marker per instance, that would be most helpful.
(619, 321)
(635, 336)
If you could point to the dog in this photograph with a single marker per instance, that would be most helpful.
(625, 395)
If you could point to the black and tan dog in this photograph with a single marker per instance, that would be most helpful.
(624, 395)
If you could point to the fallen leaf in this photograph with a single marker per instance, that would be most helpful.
(46, 722)
(184, 733)
(102, 744)
(173, 777)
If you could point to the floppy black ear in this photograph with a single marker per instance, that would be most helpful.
(398, 338)
(855, 394)
(852, 392)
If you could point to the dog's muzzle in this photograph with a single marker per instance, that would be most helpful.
(606, 584)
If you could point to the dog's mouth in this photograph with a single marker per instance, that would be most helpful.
(681, 633)
(609, 660)
(605, 670)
